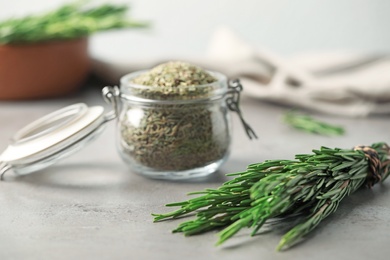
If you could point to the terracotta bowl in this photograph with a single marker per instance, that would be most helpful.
(43, 70)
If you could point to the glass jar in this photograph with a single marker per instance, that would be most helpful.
(173, 135)
(177, 134)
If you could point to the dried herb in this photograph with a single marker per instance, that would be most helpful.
(175, 136)
(311, 186)
(311, 125)
(69, 21)
(175, 80)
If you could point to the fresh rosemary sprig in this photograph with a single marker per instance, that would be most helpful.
(311, 186)
(69, 21)
(311, 125)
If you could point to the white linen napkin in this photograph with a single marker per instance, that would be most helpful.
(338, 83)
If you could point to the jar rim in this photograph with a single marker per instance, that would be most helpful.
(213, 90)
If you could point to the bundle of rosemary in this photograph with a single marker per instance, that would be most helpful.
(69, 21)
(311, 186)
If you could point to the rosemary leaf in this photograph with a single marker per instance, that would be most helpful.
(311, 125)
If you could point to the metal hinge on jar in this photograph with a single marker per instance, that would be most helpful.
(112, 95)
(233, 103)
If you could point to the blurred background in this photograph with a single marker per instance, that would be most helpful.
(282, 30)
(286, 27)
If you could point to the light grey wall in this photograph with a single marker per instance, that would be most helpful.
(284, 26)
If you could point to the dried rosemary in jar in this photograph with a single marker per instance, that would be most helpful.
(175, 80)
(174, 121)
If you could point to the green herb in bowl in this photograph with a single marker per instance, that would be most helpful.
(69, 21)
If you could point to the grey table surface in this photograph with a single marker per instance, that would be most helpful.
(90, 206)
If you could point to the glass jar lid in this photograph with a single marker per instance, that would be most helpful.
(54, 136)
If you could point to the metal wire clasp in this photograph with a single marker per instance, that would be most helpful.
(111, 95)
(233, 103)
